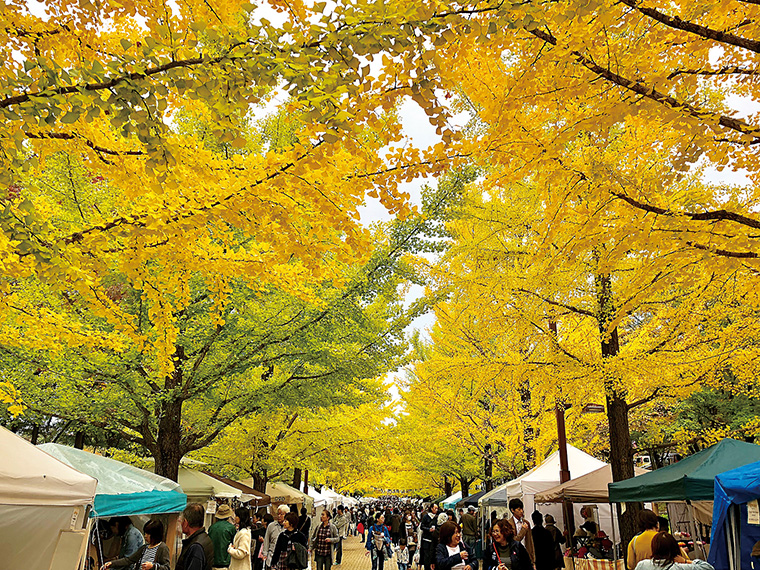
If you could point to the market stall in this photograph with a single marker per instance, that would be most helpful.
(283, 494)
(736, 518)
(470, 500)
(124, 490)
(541, 478)
(254, 498)
(687, 482)
(44, 507)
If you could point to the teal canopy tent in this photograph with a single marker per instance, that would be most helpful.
(122, 489)
(691, 479)
(451, 502)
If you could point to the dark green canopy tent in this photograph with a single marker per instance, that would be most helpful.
(691, 479)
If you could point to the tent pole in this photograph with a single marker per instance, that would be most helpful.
(693, 523)
(613, 512)
(730, 538)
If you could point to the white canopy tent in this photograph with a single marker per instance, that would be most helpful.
(319, 500)
(200, 487)
(43, 508)
(333, 498)
(543, 477)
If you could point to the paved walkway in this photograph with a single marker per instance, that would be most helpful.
(355, 557)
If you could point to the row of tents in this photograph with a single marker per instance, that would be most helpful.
(51, 494)
(722, 481)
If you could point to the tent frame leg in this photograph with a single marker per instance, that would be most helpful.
(694, 533)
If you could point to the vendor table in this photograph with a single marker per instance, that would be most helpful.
(593, 564)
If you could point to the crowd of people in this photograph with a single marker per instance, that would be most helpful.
(420, 538)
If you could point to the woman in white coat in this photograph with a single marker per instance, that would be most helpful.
(240, 549)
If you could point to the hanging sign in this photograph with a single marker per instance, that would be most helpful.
(753, 512)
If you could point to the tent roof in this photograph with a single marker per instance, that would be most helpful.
(692, 478)
(471, 500)
(122, 489)
(449, 502)
(328, 493)
(261, 499)
(29, 476)
(591, 488)
(283, 493)
(198, 484)
(319, 500)
(542, 477)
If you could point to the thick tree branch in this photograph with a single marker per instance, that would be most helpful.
(726, 70)
(570, 308)
(89, 143)
(724, 252)
(651, 93)
(113, 82)
(711, 216)
(646, 399)
(701, 31)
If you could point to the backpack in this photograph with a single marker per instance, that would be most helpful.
(378, 539)
(298, 557)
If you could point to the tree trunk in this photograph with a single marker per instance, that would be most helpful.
(621, 450)
(296, 478)
(465, 483)
(79, 440)
(447, 486)
(35, 434)
(528, 430)
(260, 480)
(168, 448)
(306, 481)
(488, 468)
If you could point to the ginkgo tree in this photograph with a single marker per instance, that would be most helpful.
(557, 299)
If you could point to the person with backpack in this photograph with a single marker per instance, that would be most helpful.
(290, 552)
(378, 542)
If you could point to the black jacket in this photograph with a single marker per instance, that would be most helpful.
(543, 543)
(287, 538)
(197, 552)
(445, 562)
(519, 557)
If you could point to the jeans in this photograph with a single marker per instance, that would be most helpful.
(403, 565)
(378, 558)
(323, 562)
(339, 551)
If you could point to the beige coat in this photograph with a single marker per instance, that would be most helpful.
(527, 535)
(240, 550)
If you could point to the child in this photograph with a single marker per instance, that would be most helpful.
(402, 555)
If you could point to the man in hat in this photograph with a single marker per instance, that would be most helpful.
(222, 532)
(470, 527)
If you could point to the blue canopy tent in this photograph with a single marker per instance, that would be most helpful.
(122, 489)
(732, 536)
